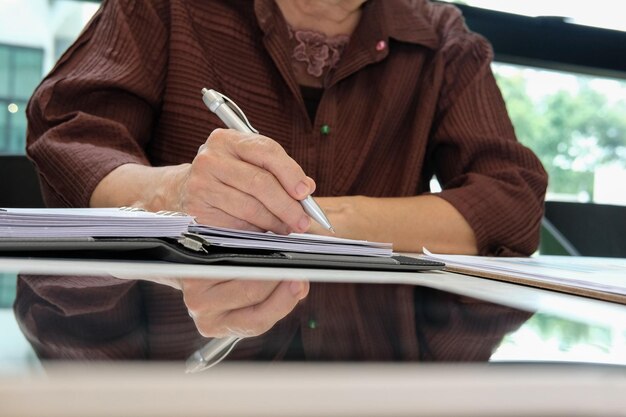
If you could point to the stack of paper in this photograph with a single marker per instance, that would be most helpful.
(113, 222)
(89, 222)
(294, 242)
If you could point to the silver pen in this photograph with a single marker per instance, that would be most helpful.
(234, 118)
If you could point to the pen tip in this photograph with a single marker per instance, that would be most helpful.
(331, 230)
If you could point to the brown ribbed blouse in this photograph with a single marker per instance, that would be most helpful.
(128, 91)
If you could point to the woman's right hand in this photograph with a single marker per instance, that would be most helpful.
(237, 180)
(244, 181)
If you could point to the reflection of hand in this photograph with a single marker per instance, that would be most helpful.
(244, 181)
(241, 308)
(238, 307)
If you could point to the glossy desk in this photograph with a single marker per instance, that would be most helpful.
(569, 359)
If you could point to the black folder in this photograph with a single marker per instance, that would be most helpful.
(188, 249)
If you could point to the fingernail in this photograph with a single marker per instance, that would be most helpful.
(295, 287)
(302, 189)
(304, 223)
(312, 184)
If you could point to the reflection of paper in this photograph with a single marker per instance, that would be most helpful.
(294, 242)
(587, 273)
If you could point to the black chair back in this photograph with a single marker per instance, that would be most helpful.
(584, 229)
(19, 183)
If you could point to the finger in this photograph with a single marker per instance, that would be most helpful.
(243, 206)
(259, 318)
(205, 213)
(193, 288)
(264, 188)
(268, 154)
(223, 297)
(195, 295)
(194, 291)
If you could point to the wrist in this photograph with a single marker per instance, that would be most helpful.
(164, 188)
(134, 185)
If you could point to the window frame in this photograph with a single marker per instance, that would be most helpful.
(549, 42)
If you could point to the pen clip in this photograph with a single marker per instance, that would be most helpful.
(237, 110)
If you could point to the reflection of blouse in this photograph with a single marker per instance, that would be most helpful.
(411, 96)
(385, 323)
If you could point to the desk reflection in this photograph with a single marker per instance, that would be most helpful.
(105, 318)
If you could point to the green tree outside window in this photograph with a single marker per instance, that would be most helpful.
(573, 133)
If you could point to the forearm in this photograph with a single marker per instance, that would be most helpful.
(410, 223)
(135, 185)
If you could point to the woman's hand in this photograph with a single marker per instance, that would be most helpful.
(246, 181)
(237, 180)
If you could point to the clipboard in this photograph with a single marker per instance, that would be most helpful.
(190, 249)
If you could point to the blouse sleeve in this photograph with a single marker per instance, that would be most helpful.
(84, 318)
(96, 109)
(495, 182)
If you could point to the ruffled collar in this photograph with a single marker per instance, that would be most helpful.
(318, 51)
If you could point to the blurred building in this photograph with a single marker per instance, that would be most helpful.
(33, 34)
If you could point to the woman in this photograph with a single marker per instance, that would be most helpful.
(369, 99)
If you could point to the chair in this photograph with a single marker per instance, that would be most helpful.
(583, 229)
(19, 183)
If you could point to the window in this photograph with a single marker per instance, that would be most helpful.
(20, 72)
(33, 34)
(600, 13)
(576, 124)
(8, 284)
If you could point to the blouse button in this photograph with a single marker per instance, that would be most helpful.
(381, 45)
(325, 130)
(312, 324)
